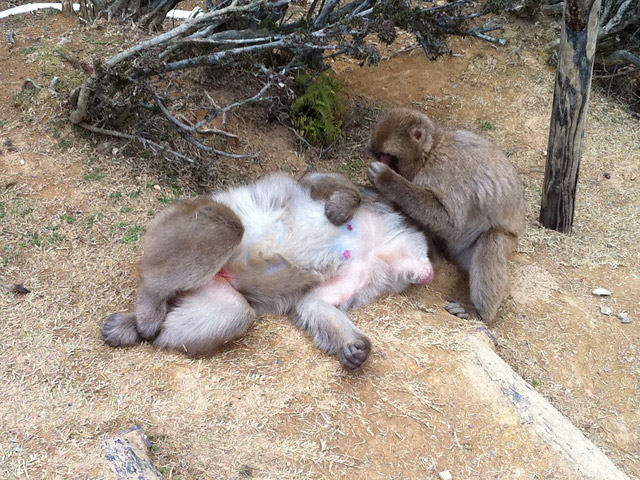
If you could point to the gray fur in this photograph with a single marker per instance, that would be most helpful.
(461, 189)
(289, 257)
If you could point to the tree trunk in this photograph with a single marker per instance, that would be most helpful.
(67, 7)
(569, 113)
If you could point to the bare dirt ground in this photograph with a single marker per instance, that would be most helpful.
(72, 213)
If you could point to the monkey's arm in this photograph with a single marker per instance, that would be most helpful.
(424, 205)
(273, 280)
(342, 198)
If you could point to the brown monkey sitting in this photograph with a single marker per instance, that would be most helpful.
(461, 190)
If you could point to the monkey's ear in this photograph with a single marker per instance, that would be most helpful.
(418, 134)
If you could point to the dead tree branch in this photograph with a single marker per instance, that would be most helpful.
(268, 40)
(618, 44)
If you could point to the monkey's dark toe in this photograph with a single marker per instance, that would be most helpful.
(460, 311)
(355, 354)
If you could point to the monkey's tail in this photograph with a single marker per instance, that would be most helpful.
(119, 330)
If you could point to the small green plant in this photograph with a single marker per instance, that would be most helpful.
(351, 168)
(167, 200)
(3, 211)
(68, 218)
(35, 239)
(55, 237)
(95, 175)
(315, 113)
(64, 144)
(133, 194)
(4, 123)
(487, 126)
(91, 219)
(133, 234)
(115, 196)
(27, 211)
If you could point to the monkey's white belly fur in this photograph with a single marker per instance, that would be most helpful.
(277, 253)
(372, 254)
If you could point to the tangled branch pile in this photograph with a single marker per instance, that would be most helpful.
(618, 36)
(617, 59)
(270, 42)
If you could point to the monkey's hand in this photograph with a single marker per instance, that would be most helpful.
(380, 175)
(341, 206)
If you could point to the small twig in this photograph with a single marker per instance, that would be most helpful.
(302, 139)
(185, 131)
(144, 141)
(221, 153)
(257, 97)
(618, 74)
(215, 131)
(446, 7)
(478, 33)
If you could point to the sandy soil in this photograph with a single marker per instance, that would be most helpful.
(73, 210)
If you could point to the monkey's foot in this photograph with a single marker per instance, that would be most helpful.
(354, 354)
(465, 312)
(119, 330)
(148, 329)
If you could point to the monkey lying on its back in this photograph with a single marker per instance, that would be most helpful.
(308, 249)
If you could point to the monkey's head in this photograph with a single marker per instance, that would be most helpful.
(401, 139)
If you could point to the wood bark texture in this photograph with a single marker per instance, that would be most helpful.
(553, 427)
(569, 113)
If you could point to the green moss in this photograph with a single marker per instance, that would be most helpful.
(316, 113)
(487, 126)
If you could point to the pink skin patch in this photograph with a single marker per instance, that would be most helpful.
(384, 158)
(223, 274)
(349, 226)
(347, 254)
(427, 278)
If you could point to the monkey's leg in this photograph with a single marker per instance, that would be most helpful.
(488, 276)
(413, 270)
(205, 319)
(187, 244)
(332, 330)
(342, 198)
(424, 205)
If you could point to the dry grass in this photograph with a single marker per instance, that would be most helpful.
(271, 405)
